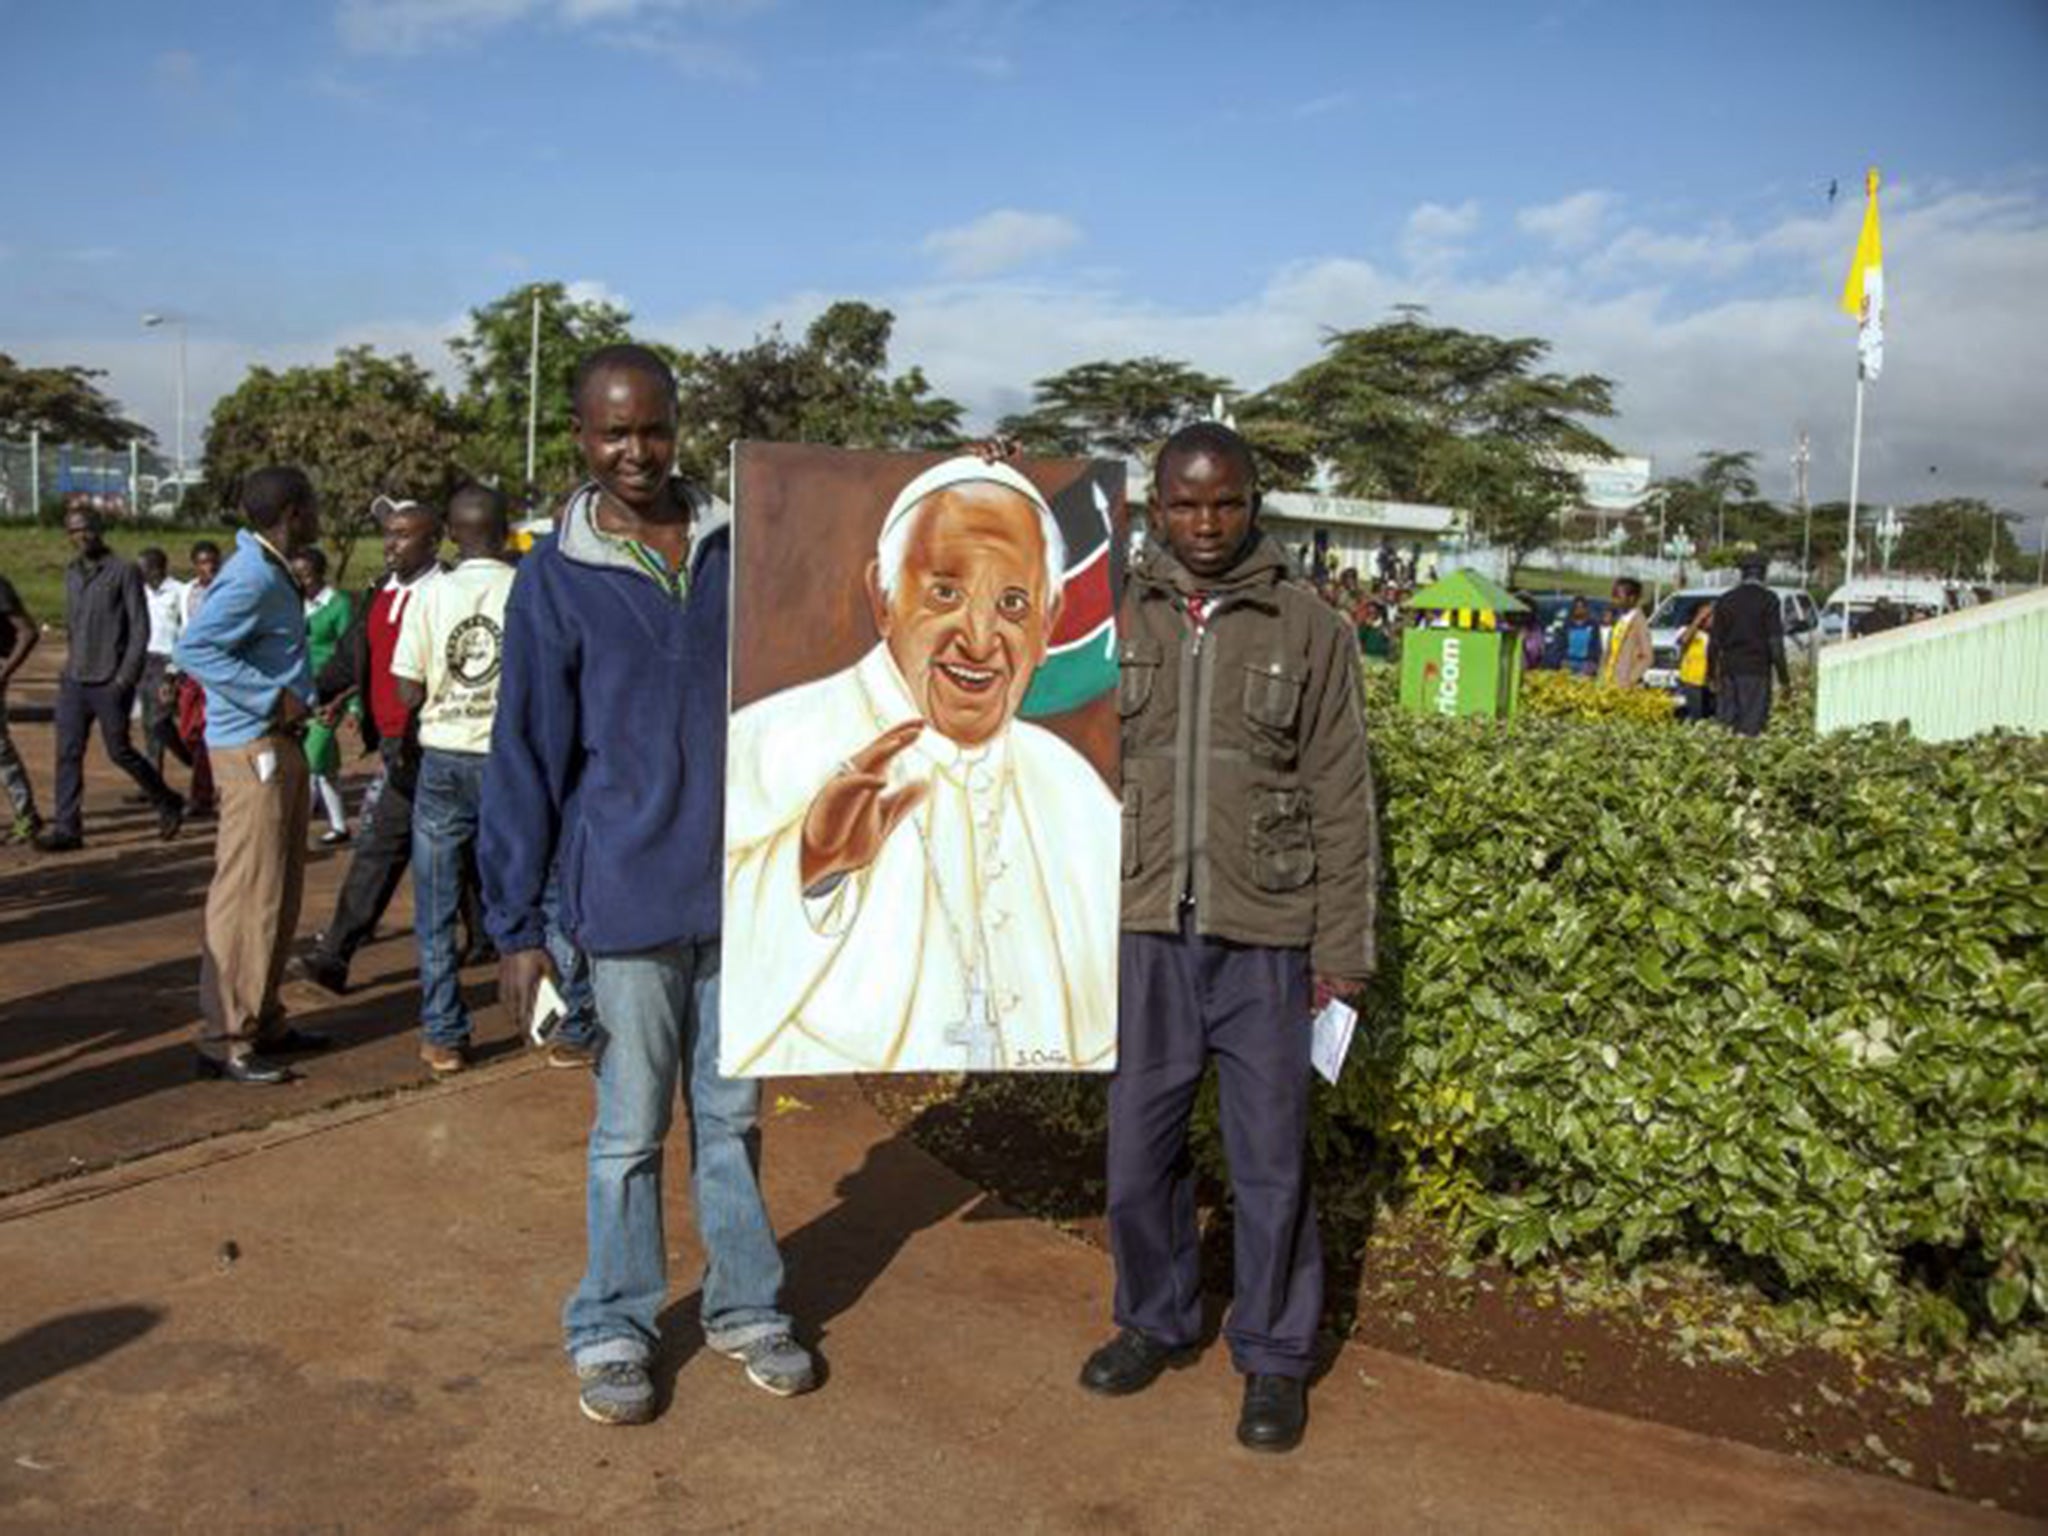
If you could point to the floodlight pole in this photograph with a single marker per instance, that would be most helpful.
(532, 393)
(1855, 480)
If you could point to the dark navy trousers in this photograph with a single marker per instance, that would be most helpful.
(1183, 999)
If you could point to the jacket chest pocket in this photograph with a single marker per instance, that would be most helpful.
(1279, 840)
(1137, 677)
(1272, 706)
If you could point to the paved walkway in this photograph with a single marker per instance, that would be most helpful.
(348, 1323)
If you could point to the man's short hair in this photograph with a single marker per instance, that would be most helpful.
(1212, 438)
(621, 357)
(314, 556)
(1753, 564)
(146, 556)
(271, 495)
(892, 548)
(494, 499)
(1629, 585)
(87, 514)
(204, 547)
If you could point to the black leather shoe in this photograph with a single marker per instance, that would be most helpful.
(290, 1042)
(243, 1069)
(1128, 1363)
(327, 974)
(170, 820)
(50, 840)
(1275, 1413)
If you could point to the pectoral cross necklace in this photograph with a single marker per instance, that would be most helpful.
(978, 1035)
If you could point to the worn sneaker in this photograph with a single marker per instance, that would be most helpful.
(25, 828)
(444, 1060)
(616, 1392)
(568, 1055)
(775, 1363)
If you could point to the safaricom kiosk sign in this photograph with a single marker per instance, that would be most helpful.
(1457, 672)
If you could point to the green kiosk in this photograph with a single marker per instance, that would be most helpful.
(1464, 663)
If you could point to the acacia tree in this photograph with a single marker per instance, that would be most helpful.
(65, 406)
(1117, 409)
(1954, 536)
(1409, 411)
(362, 426)
(833, 387)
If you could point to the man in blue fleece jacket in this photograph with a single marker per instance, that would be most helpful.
(608, 754)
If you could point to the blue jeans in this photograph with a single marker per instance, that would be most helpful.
(444, 812)
(579, 1027)
(659, 1009)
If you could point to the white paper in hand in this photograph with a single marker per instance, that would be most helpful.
(548, 1012)
(1332, 1040)
(266, 766)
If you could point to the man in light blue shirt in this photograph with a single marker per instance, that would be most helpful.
(247, 648)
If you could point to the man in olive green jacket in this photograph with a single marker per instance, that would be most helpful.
(1250, 871)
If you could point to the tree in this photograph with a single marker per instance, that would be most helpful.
(831, 387)
(361, 427)
(1700, 505)
(1113, 409)
(1950, 538)
(494, 356)
(1409, 411)
(65, 406)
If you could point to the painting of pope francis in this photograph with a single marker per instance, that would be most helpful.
(922, 823)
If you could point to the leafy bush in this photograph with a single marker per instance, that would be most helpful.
(1784, 999)
(1568, 696)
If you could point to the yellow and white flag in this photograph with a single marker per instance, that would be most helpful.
(1863, 295)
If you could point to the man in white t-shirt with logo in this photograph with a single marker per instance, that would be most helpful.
(447, 665)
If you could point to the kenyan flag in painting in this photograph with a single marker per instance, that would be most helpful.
(1081, 665)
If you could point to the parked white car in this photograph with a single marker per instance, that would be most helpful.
(1802, 629)
(1850, 606)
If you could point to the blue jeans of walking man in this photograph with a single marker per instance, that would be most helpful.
(444, 818)
(658, 1012)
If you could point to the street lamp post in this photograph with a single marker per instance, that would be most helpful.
(151, 322)
(1801, 457)
(1888, 530)
(532, 392)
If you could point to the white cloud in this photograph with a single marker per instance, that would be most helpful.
(406, 27)
(593, 290)
(1434, 235)
(1571, 223)
(1322, 106)
(1695, 366)
(1000, 241)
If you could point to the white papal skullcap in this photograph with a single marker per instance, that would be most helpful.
(892, 543)
(961, 469)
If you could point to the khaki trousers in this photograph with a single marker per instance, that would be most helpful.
(252, 909)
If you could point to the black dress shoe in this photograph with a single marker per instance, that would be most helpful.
(1275, 1413)
(289, 1042)
(327, 974)
(170, 820)
(242, 1069)
(50, 840)
(1129, 1363)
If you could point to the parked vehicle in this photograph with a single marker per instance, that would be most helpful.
(1801, 617)
(1852, 607)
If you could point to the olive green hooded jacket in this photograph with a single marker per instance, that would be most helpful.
(1246, 781)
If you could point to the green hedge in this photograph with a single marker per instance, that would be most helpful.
(1652, 989)
(1786, 999)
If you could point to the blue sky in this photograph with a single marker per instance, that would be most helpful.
(1031, 185)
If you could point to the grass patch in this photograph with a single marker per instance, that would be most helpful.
(34, 559)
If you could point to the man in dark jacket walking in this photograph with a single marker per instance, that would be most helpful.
(1250, 865)
(1749, 647)
(107, 620)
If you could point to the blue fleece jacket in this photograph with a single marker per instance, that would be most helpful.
(608, 751)
(247, 644)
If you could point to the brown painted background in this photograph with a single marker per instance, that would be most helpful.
(804, 526)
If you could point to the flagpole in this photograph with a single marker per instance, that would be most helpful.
(1855, 480)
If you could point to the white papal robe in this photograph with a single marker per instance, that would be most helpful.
(1016, 845)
